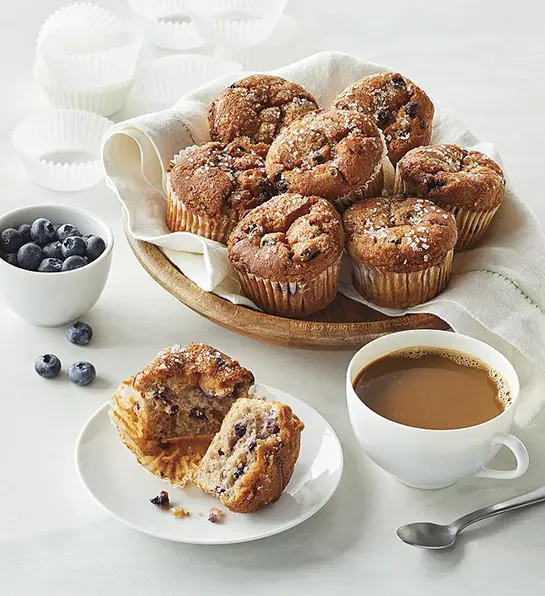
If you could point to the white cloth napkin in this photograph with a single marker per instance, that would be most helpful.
(497, 291)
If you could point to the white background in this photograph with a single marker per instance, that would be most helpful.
(485, 61)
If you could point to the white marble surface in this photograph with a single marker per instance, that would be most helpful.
(482, 59)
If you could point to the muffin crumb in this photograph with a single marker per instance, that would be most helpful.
(161, 500)
(179, 512)
(216, 516)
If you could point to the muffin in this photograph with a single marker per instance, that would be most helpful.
(212, 187)
(251, 459)
(287, 253)
(401, 110)
(467, 183)
(258, 108)
(168, 413)
(402, 249)
(334, 154)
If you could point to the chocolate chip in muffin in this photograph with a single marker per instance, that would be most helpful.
(411, 109)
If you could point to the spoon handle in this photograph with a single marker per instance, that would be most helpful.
(534, 496)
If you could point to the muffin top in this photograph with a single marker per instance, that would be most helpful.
(257, 107)
(450, 174)
(289, 238)
(400, 109)
(197, 365)
(399, 233)
(220, 180)
(329, 153)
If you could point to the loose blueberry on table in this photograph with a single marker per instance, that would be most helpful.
(82, 373)
(48, 366)
(79, 333)
(42, 245)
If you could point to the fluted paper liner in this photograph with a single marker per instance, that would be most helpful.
(167, 24)
(182, 219)
(471, 224)
(235, 32)
(401, 290)
(292, 299)
(84, 46)
(162, 82)
(173, 459)
(40, 139)
(373, 188)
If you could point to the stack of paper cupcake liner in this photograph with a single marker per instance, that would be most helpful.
(86, 59)
(167, 24)
(61, 149)
(235, 23)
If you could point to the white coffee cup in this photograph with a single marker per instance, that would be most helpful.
(424, 458)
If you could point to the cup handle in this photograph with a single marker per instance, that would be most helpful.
(517, 448)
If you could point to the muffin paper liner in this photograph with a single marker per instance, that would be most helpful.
(401, 290)
(167, 24)
(84, 46)
(61, 150)
(105, 101)
(173, 460)
(471, 224)
(182, 219)
(292, 299)
(219, 22)
(373, 188)
(162, 82)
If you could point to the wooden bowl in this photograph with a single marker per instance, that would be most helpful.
(343, 325)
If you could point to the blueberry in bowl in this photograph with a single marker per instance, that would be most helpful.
(46, 280)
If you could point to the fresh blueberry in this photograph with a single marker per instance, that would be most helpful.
(82, 373)
(50, 266)
(11, 258)
(95, 246)
(42, 231)
(73, 246)
(67, 230)
(29, 256)
(24, 230)
(79, 333)
(72, 263)
(48, 366)
(11, 240)
(53, 251)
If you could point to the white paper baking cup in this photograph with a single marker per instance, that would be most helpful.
(84, 46)
(235, 23)
(105, 101)
(61, 149)
(162, 82)
(167, 24)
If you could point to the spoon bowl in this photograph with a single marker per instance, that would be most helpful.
(427, 535)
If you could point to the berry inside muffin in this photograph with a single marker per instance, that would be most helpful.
(258, 108)
(252, 458)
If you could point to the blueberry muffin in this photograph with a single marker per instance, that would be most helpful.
(258, 108)
(168, 413)
(334, 154)
(401, 110)
(401, 248)
(287, 253)
(251, 459)
(467, 183)
(212, 187)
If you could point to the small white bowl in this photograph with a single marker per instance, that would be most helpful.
(53, 299)
(61, 149)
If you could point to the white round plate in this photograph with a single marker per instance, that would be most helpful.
(118, 483)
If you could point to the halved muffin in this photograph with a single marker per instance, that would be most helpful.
(251, 459)
(168, 413)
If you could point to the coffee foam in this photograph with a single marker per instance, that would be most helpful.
(462, 359)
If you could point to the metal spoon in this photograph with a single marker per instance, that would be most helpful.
(435, 536)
